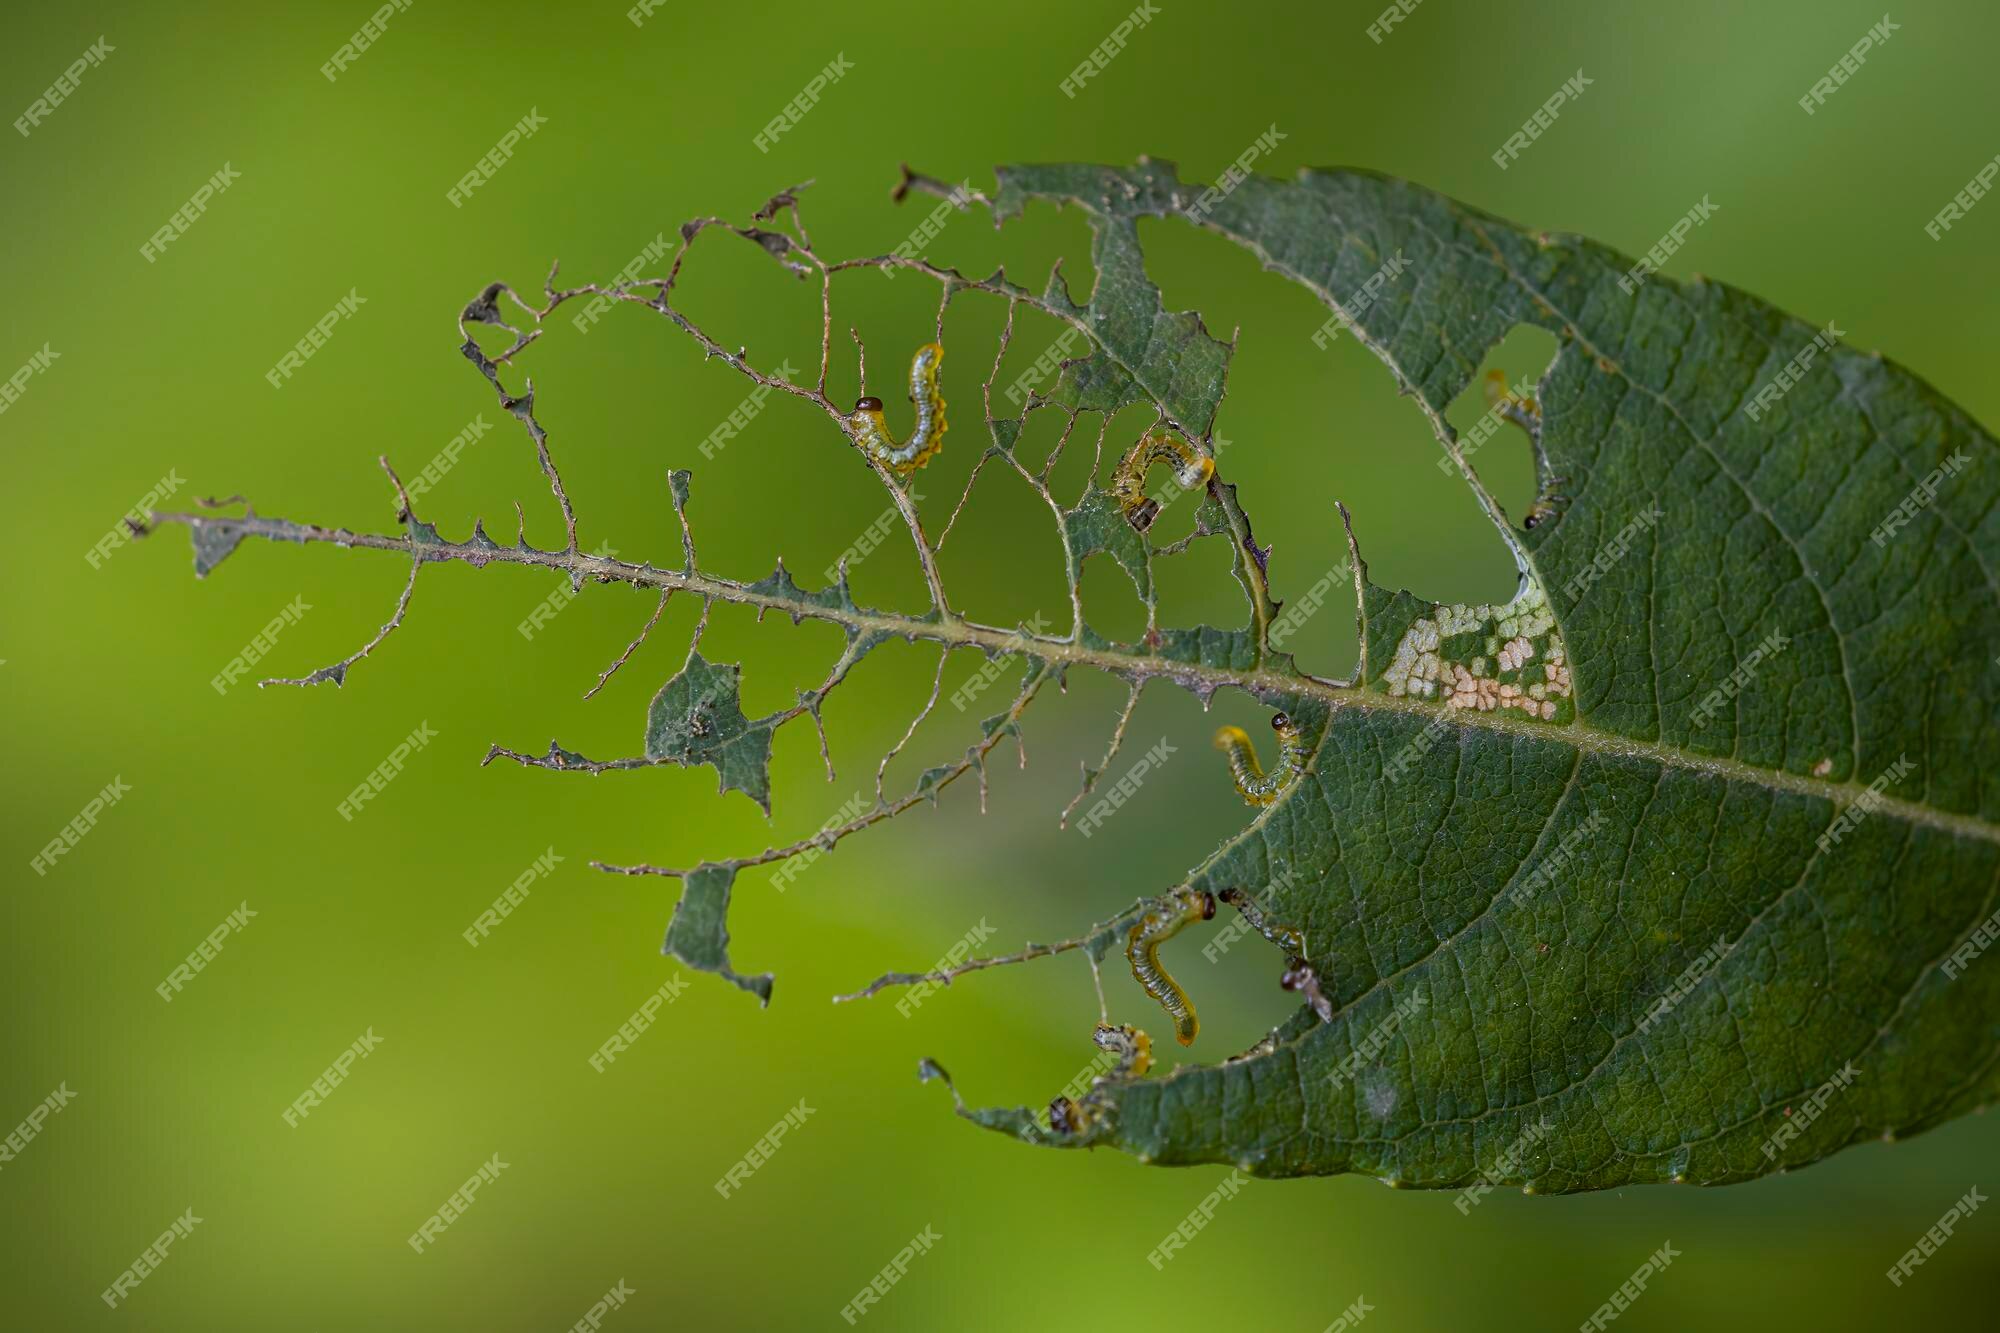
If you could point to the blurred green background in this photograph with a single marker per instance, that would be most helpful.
(343, 187)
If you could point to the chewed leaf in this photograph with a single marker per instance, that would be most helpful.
(698, 935)
(1593, 886)
(697, 718)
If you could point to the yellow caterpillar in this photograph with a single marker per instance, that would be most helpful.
(1128, 483)
(871, 432)
(1257, 786)
(1522, 411)
(1179, 909)
(1134, 1049)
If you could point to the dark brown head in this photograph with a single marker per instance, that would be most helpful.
(869, 405)
(1281, 721)
(1207, 906)
(1297, 973)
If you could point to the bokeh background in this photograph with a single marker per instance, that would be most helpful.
(611, 1177)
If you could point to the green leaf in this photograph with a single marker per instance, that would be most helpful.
(1678, 865)
(1628, 921)
(697, 718)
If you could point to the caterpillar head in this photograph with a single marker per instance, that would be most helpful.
(1286, 728)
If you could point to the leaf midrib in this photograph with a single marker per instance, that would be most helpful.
(1197, 677)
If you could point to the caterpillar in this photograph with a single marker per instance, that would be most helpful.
(1133, 1048)
(1288, 938)
(870, 431)
(1257, 786)
(1128, 483)
(1300, 976)
(1168, 917)
(1522, 411)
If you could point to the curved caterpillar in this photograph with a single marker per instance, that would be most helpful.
(1257, 786)
(868, 429)
(1522, 411)
(1128, 483)
(1183, 907)
(1288, 938)
(1134, 1049)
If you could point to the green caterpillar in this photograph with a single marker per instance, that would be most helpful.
(1128, 483)
(1179, 909)
(1257, 786)
(866, 426)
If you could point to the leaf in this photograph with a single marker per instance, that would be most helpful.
(1469, 1014)
(1678, 865)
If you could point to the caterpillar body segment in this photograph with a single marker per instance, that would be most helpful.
(1192, 469)
(1167, 918)
(1252, 782)
(870, 430)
